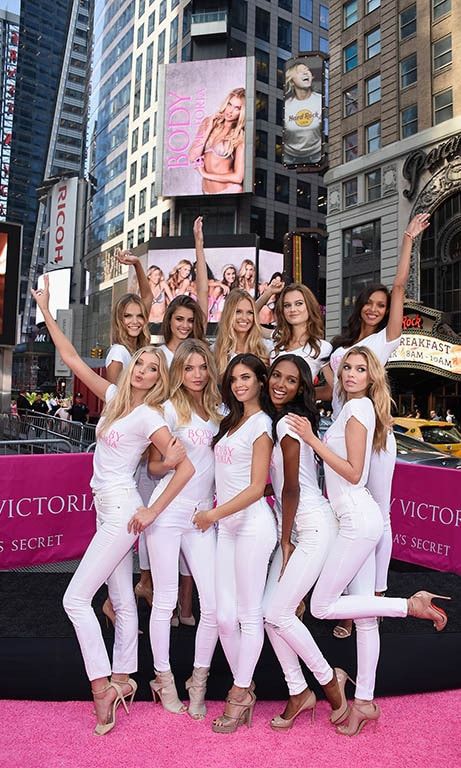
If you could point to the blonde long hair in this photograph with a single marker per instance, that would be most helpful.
(237, 134)
(314, 323)
(121, 405)
(378, 392)
(179, 396)
(226, 339)
(118, 331)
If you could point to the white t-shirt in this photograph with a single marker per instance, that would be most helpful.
(303, 128)
(307, 353)
(335, 439)
(119, 450)
(196, 436)
(117, 353)
(168, 354)
(233, 458)
(377, 342)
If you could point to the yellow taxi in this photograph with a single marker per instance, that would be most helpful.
(441, 434)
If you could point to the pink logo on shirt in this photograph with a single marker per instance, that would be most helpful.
(223, 454)
(111, 438)
(200, 436)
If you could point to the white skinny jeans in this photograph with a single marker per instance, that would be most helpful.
(108, 558)
(379, 484)
(290, 638)
(242, 559)
(351, 561)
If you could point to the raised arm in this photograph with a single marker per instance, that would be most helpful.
(276, 287)
(201, 281)
(66, 349)
(145, 291)
(417, 225)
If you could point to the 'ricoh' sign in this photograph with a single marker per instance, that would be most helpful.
(61, 233)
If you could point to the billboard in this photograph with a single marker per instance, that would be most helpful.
(8, 63)
(62, 203)
(10, 260)
(305, 112)
(59, 292)
(232, 261)
(206, 128)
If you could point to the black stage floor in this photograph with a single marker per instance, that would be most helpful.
(40, 657)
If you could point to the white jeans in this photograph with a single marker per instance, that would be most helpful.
(242, 559)
(108, 558)
(351, 561)
(164, 544)
(379, 484)
(289, 637)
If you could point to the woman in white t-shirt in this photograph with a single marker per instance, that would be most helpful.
(131, 421)
(299, 328)
(192, 414)
(239, 331)
(360, 428)
(246, 532)
(307, 528)
(376, 323)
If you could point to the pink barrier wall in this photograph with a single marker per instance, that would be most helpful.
(47, 513)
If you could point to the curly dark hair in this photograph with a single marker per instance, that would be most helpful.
(303, 403)
(231, 420)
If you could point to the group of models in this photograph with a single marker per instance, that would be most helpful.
(215, 424)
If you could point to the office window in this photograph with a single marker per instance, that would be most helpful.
(162, 10)
(408, 71)
(262, 106)
(407, 22)
(350, 146)
(143, 166)
(151, 23)
(324, 17)
(323, 44)
(440, 8)
(153, 227)
(284, 34)
(262, 65)
(373, 184)
(142, 8)
(372, 5)
(261, 144)
(161, 47)
(154, 157)
(282, 188)
(174, 31)
(441, 53)
(373, 89)
(263, 24)
(133, 173)
(350, 13)
(239, 12)
(140, 35)
(373, 43)
(409, 121)
(373, 136)
(260, 184)
(303, 194)
(278, 149)
(142, 200)
(186, 19)
(258, 221)
(279, 112)
(141, 233)
(145, 131)
(350, 101)
(350, 56)
(302, 223)
(130, 239)
(350, 192)
(153, 198)
(306, 10)
(443, 106)
(281, 224)
(131, 207)
(280, 73)
(287, 5)
(137, 103)
(305, 39)
(186, 52)
(138, 69)
(165, 224)
(134, 140)
(322, 200)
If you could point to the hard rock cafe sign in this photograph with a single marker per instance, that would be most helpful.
(427, 343)
(419, 161)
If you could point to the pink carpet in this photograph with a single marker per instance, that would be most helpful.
(415, 731)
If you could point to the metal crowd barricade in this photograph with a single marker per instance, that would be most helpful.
(37, 446)
(37, 426)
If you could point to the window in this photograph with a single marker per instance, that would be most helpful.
(350, 56)
(134, 140)
(162, 11)
(322, 200)
(258, 220)
(174, 31)
(141, 233)
(153, 227)
(279, 112)
(261, 144)
(262, 106)
(303, 194)
(441, 53)
(350, 14)
(323, 44)
(278, 149)
(302, 223)
(360, 262)
(408, 71)
(131, 207)
(443, 106)
(407, 20)
(350, 101)
(260, 184)
(305, 10)
(142, 200)
(373, 136)
(281, 224)
(143, 166)
(372, 5)
(166, 224)
(280, 73)
(373, 89)
(373, 184)
(133, 173)
(263, 24)
(239, 12)
(130, 239)
(305, 39)
(324, 17)
(153, 198)
(373, 43)
(350, 146)
(284, 34)
(140, 35)
(287, 5)
(262, 65)
(145, 131)
(154, 157)
(409, 121)
(350, 192)
(282, 188)
(186, 19)
(151, 23)
(440, 8)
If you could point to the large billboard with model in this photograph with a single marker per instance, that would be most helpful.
(305, 116)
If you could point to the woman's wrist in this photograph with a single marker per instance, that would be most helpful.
(408, 234)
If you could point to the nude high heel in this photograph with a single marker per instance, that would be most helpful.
(280, 723)
(229, 723)
(127, 699)
(164, 690)
(359, 716)
(103, 728)
(108, 612)
(338, 684)
(188, 621)
(420, 606)
(141, 591)
(196, 685)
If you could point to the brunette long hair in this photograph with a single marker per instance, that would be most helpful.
(314, 323)
(354, 325)
(235, 408)
(198, 331)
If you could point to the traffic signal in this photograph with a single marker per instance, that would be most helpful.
(97, 352)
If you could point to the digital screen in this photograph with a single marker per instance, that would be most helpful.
(59, 292)
(10, 259)
(304, 139)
